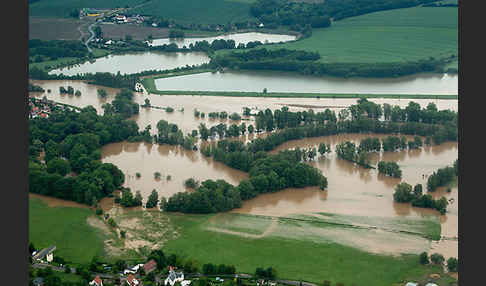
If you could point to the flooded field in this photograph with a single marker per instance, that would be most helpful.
(238, 38)
(352, 190)
(172, 161)
(253, 81)
(135, 62)
(186, 120)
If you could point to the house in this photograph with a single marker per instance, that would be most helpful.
(96, 281)
(174, 277)
(133, 269)
(411, 284)
(431, 284)
(121, 19)
(39, 281)
(185, 282)
(150, 266)
(132, 281)
(138, 87)
(154, 24)
(109, 42)
(261, 25)
(46, 253)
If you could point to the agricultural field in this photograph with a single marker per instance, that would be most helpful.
(66, 228)
(201, 12)
(253, 241)
(54, 28)
(62, 8)
(388, 36)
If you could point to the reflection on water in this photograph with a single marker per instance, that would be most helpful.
(238, 38)
(172, 161)
(256, 81)
(135, 62)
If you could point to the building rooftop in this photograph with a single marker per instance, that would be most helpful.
(44, 252)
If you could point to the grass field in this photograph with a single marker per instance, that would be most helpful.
(62, 8)
(388, 36)
(294, 258)
(199, 11)
(66, 228)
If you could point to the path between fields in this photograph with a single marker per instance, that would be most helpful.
(267, 231)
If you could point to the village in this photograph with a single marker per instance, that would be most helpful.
(147, 273)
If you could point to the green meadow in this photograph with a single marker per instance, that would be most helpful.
(66, 228)
(294, 253)
(398, 35)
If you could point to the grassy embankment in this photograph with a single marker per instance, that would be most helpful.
(66, 228)
(398, 35)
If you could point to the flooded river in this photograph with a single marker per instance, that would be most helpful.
(352, 190)
(186, 120)
(172, 161)
(135, 62)
(238, 38)
(256, 81)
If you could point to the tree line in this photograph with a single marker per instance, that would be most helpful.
(72, 141)
(41, 50)
(267, 173)
(297, 14)
(312, 67)
(405, 194)
(442, 177)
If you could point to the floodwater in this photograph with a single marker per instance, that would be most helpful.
(180, 164)
(238, 38)
(135, 62)
(353, 190)
(256, 81)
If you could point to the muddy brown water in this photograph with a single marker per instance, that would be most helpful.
(352, 190)
(186, 120)
(180, 164)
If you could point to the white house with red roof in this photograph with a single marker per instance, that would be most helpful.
(132, 281)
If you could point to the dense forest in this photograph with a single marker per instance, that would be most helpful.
(40, 50)
(71, 142)
(306, 63)
(297, 14)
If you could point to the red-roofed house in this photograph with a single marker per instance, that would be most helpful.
(96, 281)
(149, 266)
(132, 281)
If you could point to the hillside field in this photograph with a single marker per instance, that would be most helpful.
(398, 35)
(199, 11)
(62, 8)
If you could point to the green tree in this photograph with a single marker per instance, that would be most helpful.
(153, 199)
(452, 264)
(102, 93)
(437, 258)
(403, 193)
(424, 258)
(137, 200)
(58, 165)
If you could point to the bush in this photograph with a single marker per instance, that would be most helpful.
(99, 211)
(111, 222)
(437, 258)
(452, 264)
(169, 109)
(191, 183)
(424, 258)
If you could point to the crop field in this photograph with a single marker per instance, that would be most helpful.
(284, 247)
(199, 11)
(66, 228)
(62, 8)
(398, 35)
